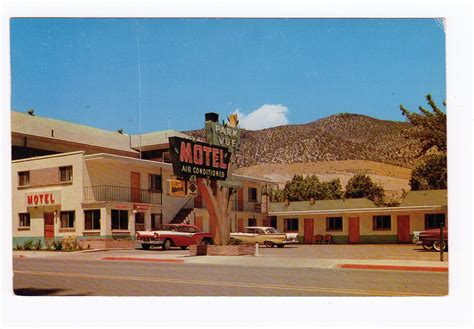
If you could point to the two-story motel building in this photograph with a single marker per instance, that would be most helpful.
(72, 180)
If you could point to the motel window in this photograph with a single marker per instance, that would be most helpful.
(119, 219)
(67, 219)
(334, 224)
(92, 219)
(252, 222)
(291, 224)
(154, 182)
(23, 178)
(24, 220)
(382, 222)
(65, 174)
(252, 197)
(434, 221)
(273, 221)
(155, 221)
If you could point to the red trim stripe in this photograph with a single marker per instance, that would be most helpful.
(394, 267)
(158, 260)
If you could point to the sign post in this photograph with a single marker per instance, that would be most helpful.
(210, 163)
(441, 238)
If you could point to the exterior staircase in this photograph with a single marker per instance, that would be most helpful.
(181, 216)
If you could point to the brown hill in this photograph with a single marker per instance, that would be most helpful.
(393, 178)
(337, 137)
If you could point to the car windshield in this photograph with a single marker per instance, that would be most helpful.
(168, 228)
(271, 230)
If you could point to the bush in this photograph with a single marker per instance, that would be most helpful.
(57, 245)
(28, 245)
(19, 246)
(38, 245)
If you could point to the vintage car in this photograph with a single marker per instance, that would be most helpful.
(268, 236)
(430, 239)
(173, 235)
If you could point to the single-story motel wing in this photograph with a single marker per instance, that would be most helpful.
(101, 187)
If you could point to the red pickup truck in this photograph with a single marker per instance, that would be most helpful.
(173, 235)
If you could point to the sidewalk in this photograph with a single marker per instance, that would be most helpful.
(268, 260)
(367, 264)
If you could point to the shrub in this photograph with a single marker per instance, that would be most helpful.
(28, 245)
(38, 245)
(19, 246)
(57, 245)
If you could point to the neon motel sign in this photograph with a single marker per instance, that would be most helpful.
(200, 159)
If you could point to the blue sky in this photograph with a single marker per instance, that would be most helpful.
(272, 71)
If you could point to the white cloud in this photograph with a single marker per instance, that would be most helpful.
(266, 116)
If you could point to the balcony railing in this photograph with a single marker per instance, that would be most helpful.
(121, 194)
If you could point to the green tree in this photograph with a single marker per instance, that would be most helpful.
(362, 186)
(276, 195)
(332, 189)
(428, 127)
(430, 175)
(302, 189)
(295, 189)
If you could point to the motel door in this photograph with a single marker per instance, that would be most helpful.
(140, 221)
(48, 225)
(135, 184)
(308, 230)
(354, 230)
(404, 229)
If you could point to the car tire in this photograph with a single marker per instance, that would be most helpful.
(167, 244)
(439, 245)
(269, 244)
(280, 245)
(145, 246)
(427, 245)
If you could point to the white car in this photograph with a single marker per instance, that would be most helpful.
(268, 236)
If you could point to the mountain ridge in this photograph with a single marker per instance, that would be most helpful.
(342, 136)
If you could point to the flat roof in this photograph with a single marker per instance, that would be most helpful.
(33, 125)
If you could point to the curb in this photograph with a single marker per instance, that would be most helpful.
(157, 260)
(393, 267)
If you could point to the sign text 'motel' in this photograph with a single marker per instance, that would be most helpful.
(200, 159)
(43, 199)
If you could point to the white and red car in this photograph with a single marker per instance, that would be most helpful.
(173, 235)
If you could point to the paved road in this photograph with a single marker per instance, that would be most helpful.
(88, 277)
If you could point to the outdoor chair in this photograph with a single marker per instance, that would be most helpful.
(318, 239)
(327, 238)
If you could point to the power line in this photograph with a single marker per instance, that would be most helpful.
(139, 90)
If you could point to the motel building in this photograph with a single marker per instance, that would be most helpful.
(70, 180)
(101, 187)
(360, 220)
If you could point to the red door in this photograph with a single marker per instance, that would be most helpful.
(404, 229)
(354, 230)
(135, 184)
(48, 225)
(240, 225)
(265, 222)
(308, 230)
(240, 200)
